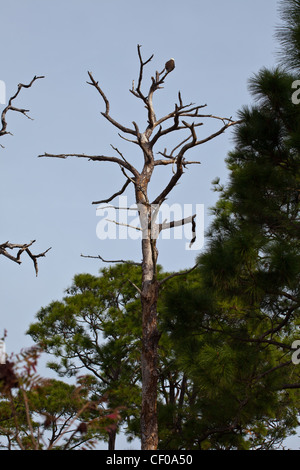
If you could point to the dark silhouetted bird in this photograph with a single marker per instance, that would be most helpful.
(170, 65)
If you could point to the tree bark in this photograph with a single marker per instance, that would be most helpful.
(112, 439)
(149, 357)
(149, 297)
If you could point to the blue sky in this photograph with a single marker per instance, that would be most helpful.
(217, 46)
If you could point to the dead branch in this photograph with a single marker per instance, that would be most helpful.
(119, 208)
(168, 188)
(156, 84)
(135, 286)
(177, 223)
(138, 92)
(10, 106)
(107, 107)
(21, 248)
(98, 158)
(139, 229)
(164, 154)
(112, 261)
(219, 132)
(180, 112)
(3, 131)
(118, 193)
(172, 161)
(180, 156)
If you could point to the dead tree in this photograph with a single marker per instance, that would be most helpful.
(183, 117)
(6, 246)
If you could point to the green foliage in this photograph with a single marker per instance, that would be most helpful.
(97, 326)
(288, 33)
(216, 390)
(48, 414)
(233, 397)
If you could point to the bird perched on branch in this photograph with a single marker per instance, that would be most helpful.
(170, 65)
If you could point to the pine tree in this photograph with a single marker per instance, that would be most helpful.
(243, 317)
(231, 394)
(251, 267)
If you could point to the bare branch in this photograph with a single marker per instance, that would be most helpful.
(135, 286)
(107, 107)
(172, 161)
(129, 180)
(219, 132)
(180, 157)
(157, 81)
(175, 127)
(21, 248)
(3, 131)
(128, 140)
(121, 155)
(138, 92)
(125, 225)
(175, 178)
(120, 208)
(164, 154)
(182, 111)
(10, 107)
(112, 261)
(99, 158)
(114, 195)
(177, 223)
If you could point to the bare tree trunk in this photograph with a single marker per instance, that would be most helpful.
(149, 297)
(149, 358)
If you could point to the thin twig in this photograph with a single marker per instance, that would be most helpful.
(107, 107)
(135, 286)
(95, 158)
(112, 261)
(10, 107)
(118, 193)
